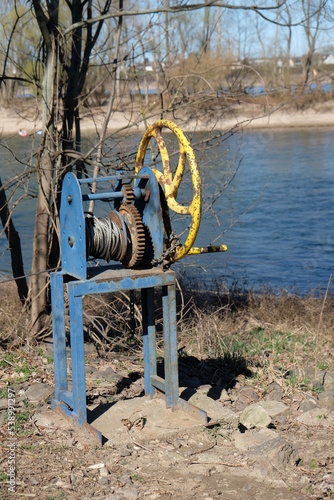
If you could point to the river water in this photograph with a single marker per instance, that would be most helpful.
(268, 195)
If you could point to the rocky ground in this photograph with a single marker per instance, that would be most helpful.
(261, 442)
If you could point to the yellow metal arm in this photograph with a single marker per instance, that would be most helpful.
(209, 249)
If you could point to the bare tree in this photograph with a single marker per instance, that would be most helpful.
(70, 34)
(314, 11)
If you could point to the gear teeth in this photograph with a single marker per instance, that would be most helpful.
(136, 229)
(128, 194)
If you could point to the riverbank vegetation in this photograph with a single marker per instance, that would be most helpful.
(243, 329)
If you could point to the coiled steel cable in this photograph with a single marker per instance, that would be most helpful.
(104, 238)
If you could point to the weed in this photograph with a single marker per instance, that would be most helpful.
(42, 353)
(137, 477)
(313, 464)
(215, 430)
(24, 372)
(3, 393)
(322, 365)
(9, 359)
(292, 379)
(21, 368)
(4, 476)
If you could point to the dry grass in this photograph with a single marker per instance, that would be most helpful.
(276, 337)
(264, 331)
(13, 319)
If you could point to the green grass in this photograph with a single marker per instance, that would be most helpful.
(313, 464)
(137, 477)
(42, 353)
(11, 358)
(270, 346)
(4, 477)
(215, 431)
(3, 393)
(322, 365)
(21, 367)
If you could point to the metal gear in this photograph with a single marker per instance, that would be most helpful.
(128, 194)
(136, 235)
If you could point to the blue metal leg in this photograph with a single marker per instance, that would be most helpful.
(59, 339)
(149, 340)
(77, 354)
(170, 337)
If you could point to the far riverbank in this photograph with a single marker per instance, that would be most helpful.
(243, 116)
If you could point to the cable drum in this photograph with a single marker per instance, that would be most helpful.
(104, 240)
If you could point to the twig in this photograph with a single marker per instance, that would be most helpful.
(39, 433)
(204, 449)
(8, 363)
(138, 444)
(217, 463)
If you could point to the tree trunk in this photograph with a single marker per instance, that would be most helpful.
(14, 246)
(40, 279)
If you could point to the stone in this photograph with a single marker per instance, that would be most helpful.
(129, 492)
(255, 416)
(103, 480)
(3, 417)
(224, 396)
(329, 381)
(97, 466)
(104, 472)
(275, 408)
(307, 405)
(246, 396)
(204, 388)
(327, 401)
(278, 451)
(108, 374)
(313, 375)
(90, 370)
(125, 453)
(38, 392)
(325, 394)
(327, 485)
(215, 409)
(273, 392)
(245, 441)
(316, 417)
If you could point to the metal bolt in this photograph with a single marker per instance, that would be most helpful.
(70, 241)
(69, 199)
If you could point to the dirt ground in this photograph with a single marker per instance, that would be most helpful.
(151, 452)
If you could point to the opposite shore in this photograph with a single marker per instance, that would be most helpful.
(245, 117)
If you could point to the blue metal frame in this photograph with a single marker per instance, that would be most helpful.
(81, 280)
(108, 282)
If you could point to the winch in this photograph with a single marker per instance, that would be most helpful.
(137, 237)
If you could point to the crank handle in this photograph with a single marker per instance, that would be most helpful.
(209, 249)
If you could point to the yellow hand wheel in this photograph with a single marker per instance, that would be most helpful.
(171, 184)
